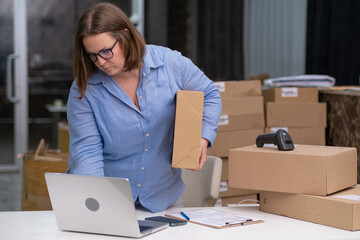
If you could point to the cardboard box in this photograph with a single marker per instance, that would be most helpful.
(226, 191)
(242, 113)
(295, 114)
(187, 134)
(239, 89)
(35, 195)
(340, 210)
(317, 170)
(63, 136)
(233, 122)
(227, 140)
(236, 200)
(242, 106)
(306, 136)
(291, 94)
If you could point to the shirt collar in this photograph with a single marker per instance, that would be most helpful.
(151, 59)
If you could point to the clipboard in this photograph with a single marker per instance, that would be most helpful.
(215, 218)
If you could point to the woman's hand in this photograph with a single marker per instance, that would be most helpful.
(203, 153)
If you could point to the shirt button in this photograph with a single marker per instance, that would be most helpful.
(146, 150)
(140, 97)
(145, 115)
(139, 185)
(147, 134)
(142, 168)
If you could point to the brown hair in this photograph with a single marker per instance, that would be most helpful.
(101, 18)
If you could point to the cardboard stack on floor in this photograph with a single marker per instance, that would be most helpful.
(298, 111)
(242, 120)
(35, 195)
(312, 183)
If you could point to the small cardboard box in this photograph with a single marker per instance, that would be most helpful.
(295, 114)
(340, 210)
(231, 122)
(239, 89)
(309, 169)
(227, 140)
(242, 113)
(291, 94)
(187, 134)
(242, 106)
(306, 136)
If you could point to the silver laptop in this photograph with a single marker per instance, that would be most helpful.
(101, 205)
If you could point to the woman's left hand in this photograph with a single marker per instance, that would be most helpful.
(203, 153)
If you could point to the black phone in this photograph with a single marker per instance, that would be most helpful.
(172, 222)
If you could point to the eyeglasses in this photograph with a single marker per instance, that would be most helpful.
(104, 54)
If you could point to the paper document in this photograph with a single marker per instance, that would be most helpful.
(215, 218)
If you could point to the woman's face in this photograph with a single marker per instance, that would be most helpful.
(100, 44)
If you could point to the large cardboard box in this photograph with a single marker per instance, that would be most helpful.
(234, 139)
(187, 134)
(35, 195)
(340, 210)
(295, 114)
(306, 136)
(310, 169)
(239, 89)
(291, 94)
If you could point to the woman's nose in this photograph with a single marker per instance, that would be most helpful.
(101, 61)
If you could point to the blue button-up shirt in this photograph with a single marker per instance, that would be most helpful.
(110, 136)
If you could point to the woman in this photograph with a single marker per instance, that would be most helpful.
(121, 108)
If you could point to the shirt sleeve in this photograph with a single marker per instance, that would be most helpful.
(86, 145)
(193, 79)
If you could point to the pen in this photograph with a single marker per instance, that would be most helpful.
(184, 215)
(242, 222)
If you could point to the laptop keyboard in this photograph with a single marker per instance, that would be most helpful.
(144, 228)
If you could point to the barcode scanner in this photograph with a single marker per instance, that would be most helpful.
(280, 138)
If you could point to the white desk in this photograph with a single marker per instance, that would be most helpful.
(41, 225)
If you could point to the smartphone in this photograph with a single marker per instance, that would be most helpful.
(172, 222)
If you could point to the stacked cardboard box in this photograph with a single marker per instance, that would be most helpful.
(340, 210)
(242, 120)
(230, 195)
(35, 195)
(298, 111)
(312, 183)
(242, 116)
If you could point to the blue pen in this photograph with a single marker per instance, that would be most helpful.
(184, 215)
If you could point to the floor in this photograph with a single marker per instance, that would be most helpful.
(11, 182)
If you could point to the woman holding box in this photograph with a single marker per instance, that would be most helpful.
(121, 107)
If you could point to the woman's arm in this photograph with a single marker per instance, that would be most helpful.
(192, 78)
(86, 146)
